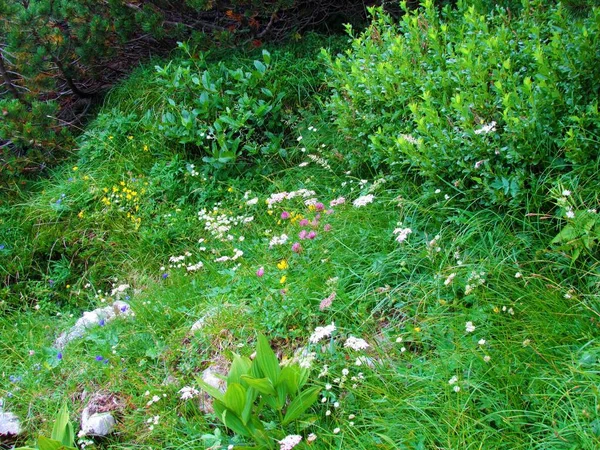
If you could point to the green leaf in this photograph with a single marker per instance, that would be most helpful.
(300, 404)
(240, 366)
(262, 385)
(51, 444)
(211, 390)
(229, 419)
(235, 398)
(260, 67)
(266, 360)
(266, 57)
(63, 429)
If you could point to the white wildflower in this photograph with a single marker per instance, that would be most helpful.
(289, 442)
(321, 332)
(364, 200)
(356, 343)
(469, 327)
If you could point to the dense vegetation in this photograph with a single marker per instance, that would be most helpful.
(382, 240)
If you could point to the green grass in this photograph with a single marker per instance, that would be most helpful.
(409, 300)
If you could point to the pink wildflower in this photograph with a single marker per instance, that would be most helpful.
(260, 272)
(285, 215)
(327, 227)
(314, 223)
(326, 302)
(296, 247)
(302, 235)
(319, 206)
(329, 211)
(311, 235)
(303, 222)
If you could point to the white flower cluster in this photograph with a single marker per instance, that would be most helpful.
(281, 196)
(278, 240)
(219, 225)
(475, 280)
(485, 129)
(194, 267)
(363, 200)
(321, 332)
(289, 442)
(337, 201)
(356, 343)
(402, 234)
(409, 138)
(236, 254)
(188, 392)
(119, 290)
(320, 161)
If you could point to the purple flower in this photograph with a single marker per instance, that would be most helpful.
(59, 356)
(2, 246)
(303, 222)
(124, 308)
(285, 215)
(296, 247)
(314, 223)
(99, 358)
(327, 227)
(260, 272)
(311, 235)
(319, 206)
(164, 276)
(302, 235)
(102, 322)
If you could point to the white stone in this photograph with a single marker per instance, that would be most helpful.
(93, 318)
(97, 424)
(10, 426)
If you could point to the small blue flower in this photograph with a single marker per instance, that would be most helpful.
(59, 356)
(127, 297)
(165, 275)
(105, 361)
(124, 308)
(99, 358)
(2, 246)
(102, 322)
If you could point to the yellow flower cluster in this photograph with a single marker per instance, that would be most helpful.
(125, 197)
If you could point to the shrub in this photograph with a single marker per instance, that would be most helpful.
(487, 104)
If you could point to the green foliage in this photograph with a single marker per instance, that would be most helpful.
(486, 104)
(225, 114)
(63, 436)
(260, 391)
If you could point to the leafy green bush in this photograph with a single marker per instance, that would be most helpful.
(487, 104)
(223, 113)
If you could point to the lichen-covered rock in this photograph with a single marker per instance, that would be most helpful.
(10, 427)
(96, 424)
(98, 316)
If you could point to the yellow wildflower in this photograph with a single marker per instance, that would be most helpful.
(282, 265)
(282, 280)
(80, 215)
(75, 169)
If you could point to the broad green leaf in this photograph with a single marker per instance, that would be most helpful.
(266, 360)
(260, 67)
(266, 57)
(300, 404)
(262, 385)
(211, 390)
(240, 366)
(235, 398)
(50, 444)
(63, 430)
(290, 377)
(229, 419)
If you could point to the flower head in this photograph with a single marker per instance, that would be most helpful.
(289, 442)
(260, 272)
(321, 332)
(356, 343)
(296, 247)
(469, 327)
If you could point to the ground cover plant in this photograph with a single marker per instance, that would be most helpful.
(272, 284)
